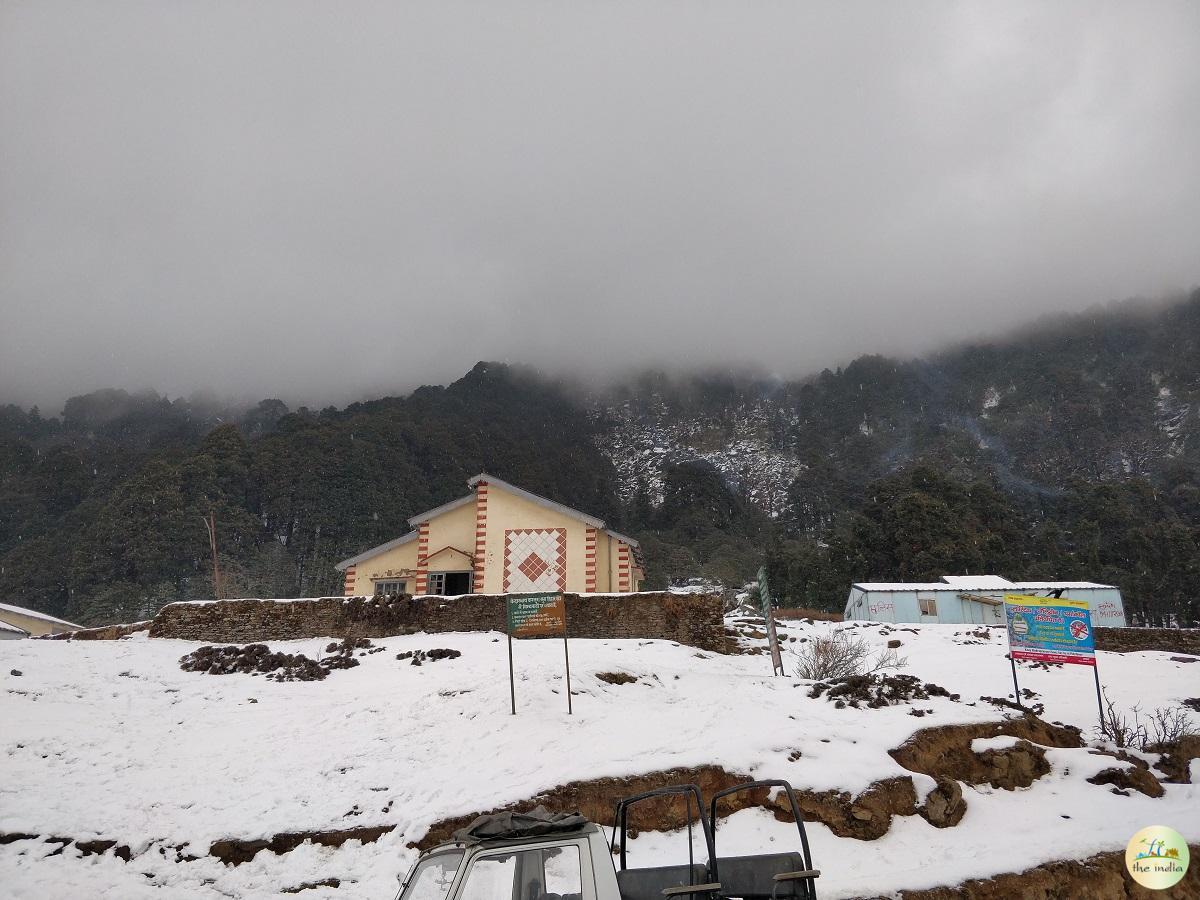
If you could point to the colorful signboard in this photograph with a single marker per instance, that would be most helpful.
(536, 615)
(1050, 629)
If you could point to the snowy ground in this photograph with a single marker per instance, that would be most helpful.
(111, 740)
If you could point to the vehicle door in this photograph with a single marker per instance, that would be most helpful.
(546, 871)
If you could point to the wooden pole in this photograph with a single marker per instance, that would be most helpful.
(210, 523)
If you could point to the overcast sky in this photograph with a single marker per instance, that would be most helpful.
(326, 201)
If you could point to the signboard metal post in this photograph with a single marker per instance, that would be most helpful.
(1051, 630)
(537, 615)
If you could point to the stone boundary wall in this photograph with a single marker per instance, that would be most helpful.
(1130, 640)
(99, 633)
(692, 619)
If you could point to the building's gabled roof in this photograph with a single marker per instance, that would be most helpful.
(416, 520)
(623, 539)
(449, 549)
(375, 551)
(5, 626)
(34, 614)
(469, 498)
(535, 498)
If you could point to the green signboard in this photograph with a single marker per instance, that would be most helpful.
(536, 615)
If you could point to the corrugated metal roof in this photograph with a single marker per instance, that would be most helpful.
(903, 586)
(978, 582)
(1066, 585)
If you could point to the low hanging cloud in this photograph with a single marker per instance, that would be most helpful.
(325, 201)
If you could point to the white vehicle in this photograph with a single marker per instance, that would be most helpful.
(544, 856)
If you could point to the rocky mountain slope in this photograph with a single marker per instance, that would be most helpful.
(1069, 450)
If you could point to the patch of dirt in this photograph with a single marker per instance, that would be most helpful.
(1004, 703)
(1101, 877)
(1124, 780)
(233, 852)
(1177, 759)
(945, 806)
(310, 885)
(877, 691)
(596, 800)
(258, 659)
(419, 657)
(616, 677)
(866, 816)
(945, 752)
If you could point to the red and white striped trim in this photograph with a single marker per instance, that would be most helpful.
(349, 586)
(589, 561)
(481, 498)
(623, 581)
(422, 557)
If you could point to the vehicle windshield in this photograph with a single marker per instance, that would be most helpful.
(431, 878)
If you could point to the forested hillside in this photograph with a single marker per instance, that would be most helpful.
(1066, 451)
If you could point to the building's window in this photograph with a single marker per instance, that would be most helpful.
(390, 588)
(928, 607)
(448, 584)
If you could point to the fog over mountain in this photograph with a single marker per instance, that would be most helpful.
(323, 202)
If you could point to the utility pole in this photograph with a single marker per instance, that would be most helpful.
(210, 523)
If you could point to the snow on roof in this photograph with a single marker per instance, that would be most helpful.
(5, 626)
(978, 582)
(34, 614)
(903, 586)
(1065, 585)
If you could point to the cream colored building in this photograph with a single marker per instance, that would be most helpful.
(31, 622)
(498, 539)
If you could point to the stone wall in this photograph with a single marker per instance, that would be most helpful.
(100, 633)
(692, 619)
(1169, 640)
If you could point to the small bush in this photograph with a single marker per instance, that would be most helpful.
(842, 655)
(1157, 732)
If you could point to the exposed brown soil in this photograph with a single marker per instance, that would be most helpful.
(1177, 759)
(865, 817)
(1101, 877)
(230, 850)
(1124, 780)
(945, 752)
(597, 798)
(234, 852)
(616, 677)
(255, 659)
(877, 690)
(310, 885)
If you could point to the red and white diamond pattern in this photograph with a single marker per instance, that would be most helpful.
(535, 559)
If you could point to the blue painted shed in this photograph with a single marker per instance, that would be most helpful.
(971, 600)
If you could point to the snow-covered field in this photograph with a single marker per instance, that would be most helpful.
(111, 740)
